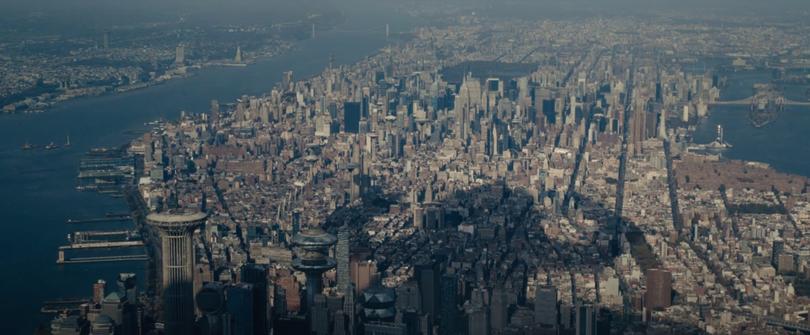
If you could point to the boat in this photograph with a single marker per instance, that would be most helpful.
(715, 148)
(67, 142)
(27, 146)
(51, 146)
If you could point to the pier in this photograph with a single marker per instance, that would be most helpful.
(99, 259)
(96, 220)
(88, 236)
(56, 306)
(102, 245)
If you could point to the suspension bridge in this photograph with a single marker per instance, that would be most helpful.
(384, 29)
(750, 100)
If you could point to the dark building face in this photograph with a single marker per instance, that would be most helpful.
(659, 289)
(351, 117)
(585, 320)
(177, 255)
(545, 306)
(239, 307)
(428, 277)
(256, 275)
(449, 305)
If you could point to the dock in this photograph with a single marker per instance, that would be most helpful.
(56, 306)
(109, 236)
(96, 220)
(101, 245)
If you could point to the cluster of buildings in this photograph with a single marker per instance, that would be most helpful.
(39, 72)
(386, 198)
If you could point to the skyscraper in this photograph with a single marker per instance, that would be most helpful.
(342, 254)
(256, 275)
(98, 291)
(312, 258)
(349, 304)
(545, 306)
(499, 317)
(180, 55)
(211, 302)
(427, 274)
(659, 289)
(177, 254)
(585, 320)
(449, 305)
(239, 309)
(776, 249)
(351, 117)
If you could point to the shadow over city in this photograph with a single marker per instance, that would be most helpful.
(493, 238)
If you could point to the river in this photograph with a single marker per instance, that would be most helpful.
(782, 143)
(38, 187)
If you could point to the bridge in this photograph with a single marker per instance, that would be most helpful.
(372, 30)
(747, 101)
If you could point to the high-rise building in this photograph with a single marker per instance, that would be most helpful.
(351, 117)
(379, 304)
(364, 274)
(312, 257)
(545, 306)
(211, 303)
(585, 320)
(427, 274)
(127, 286)
(777, 249)
(98, 291)
(408, 298)
(499, 305)
(287, 80)
(342, 253)
(319, 316)
(239, 309)
(384, 328)
(177, 255)
(349, 309)
(448, 322)
(477, 321)
(256, 275)
(180, 55)
(659, 289)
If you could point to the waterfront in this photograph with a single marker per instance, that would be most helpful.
(781, 144)
(38, 192)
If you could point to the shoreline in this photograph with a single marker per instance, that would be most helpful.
(178, 73)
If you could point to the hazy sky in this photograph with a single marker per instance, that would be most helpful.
(95, 14)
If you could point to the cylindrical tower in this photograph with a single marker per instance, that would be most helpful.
(177, 254)
(312, 257)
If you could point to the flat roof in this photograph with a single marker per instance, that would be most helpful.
(176, 218)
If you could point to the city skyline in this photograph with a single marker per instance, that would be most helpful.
(402, 168)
